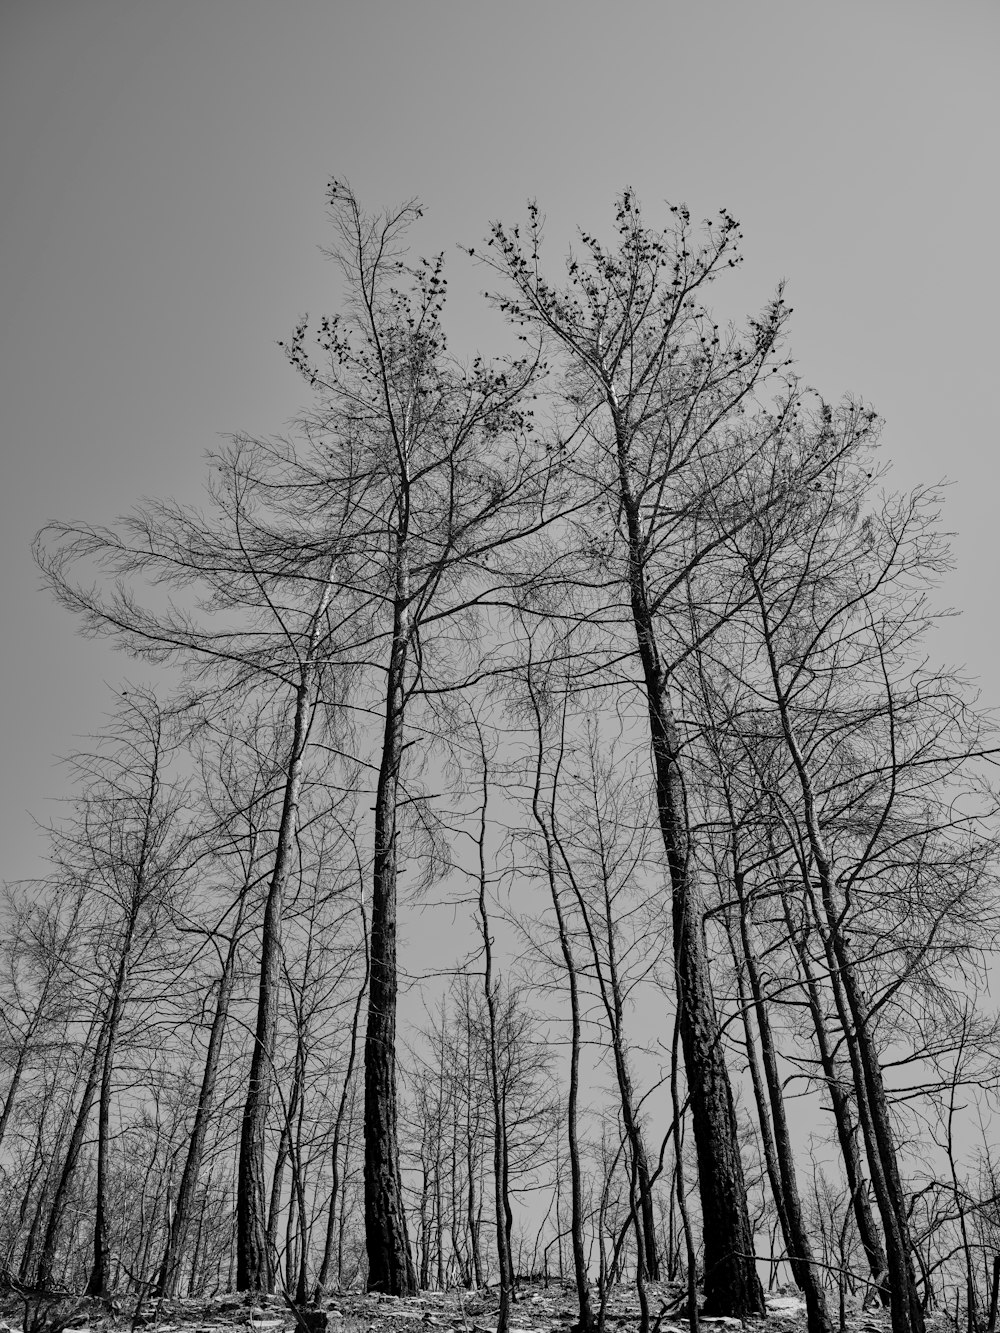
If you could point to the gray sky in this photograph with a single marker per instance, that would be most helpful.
(162, 174)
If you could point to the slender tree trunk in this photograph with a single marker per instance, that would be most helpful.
(99, 1275)
(253, 1260)
(732, 1286)
(906, 1310)
(173, 1255)
(51, 1235)
(760, 1097)
(301, 1291)
(868, 1232)
(644, 1224)
(15, 1080)
(586, 1315)
(390, 1264)
(274, 1201)
(647, 1257)
(679, 1181)
(471, 1167)
(326, 1267)
(500, 1178)
(197, 1250)
(797, 1240)
(498, 1092)
(439, 1224)
(585, 1321)
(504, 1189)
(51, 976)
(34, 1185)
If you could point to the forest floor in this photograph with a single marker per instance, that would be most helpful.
(538, 1309)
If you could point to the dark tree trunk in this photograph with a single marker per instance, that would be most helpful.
(732, 1286)
(501, 1196)
(52, 965)
(906, 1309)
(472, 1139)
(99, 1275)
(253, 1259)
(868, 1232)
(51, 1235)
(254, 1262)
(644, 1222)
(586, 1315)
(498, 1092)
(326, 1267)
(173, 1255)
(647, 1258)
(390, 1264)
(761, 1099)
(15, 1080)
(797, 1241)
(585, 1321)
(274, 1200)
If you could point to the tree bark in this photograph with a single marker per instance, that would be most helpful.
(868, 1232)
(99, 1274)
(800, 1255)
(732, 1286)
(326, 1267)
(253, 1260)
(51, 1235)
(390, 1263)
(906, 1309)
(501, 1196)
(173, 1255)
(586, 1315)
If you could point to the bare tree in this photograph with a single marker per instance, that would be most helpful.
(652, 392)
(127, 847)
(451, 477)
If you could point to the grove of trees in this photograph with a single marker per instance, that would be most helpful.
(547, 844)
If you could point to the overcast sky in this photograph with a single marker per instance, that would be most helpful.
(162, 173)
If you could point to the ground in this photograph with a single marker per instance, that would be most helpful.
(539, 1309)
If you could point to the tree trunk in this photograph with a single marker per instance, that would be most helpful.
(253, 1260)
(51, 1235)
(323, 1281)
(906, 1310)
(471, 1166)
(99, 1275)
(797, 1240)
(501, 1196)
(586, 1315)
(760, 1097)
(732, 1286)
(173, 1254)
(274, 1201)
(871, 1241)
(15, 1080)
(390, 1264)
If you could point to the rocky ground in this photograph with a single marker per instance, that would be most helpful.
(539, 1309)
